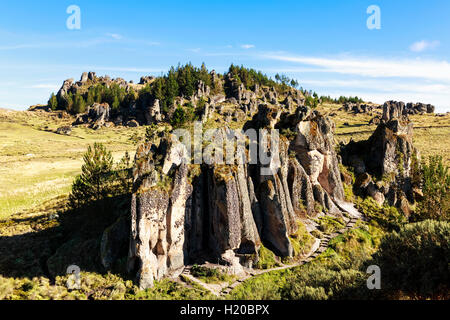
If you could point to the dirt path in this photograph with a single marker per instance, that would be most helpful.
(320, 246)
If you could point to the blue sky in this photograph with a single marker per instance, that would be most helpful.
(325, 45)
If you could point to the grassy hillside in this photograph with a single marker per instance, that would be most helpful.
(431, 133)
(36, 164)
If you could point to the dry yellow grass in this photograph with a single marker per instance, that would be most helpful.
(431, 133)
(37, 164)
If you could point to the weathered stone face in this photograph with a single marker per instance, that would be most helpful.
(314, 147)
(158, 217)
(152, 113)
(225, 212)
(387, 154)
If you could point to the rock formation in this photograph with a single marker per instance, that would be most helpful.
(96, 116)
(388, 155)
(147, 109)
(224, 212)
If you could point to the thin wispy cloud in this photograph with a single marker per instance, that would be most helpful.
(376, 79)
(424, 45)
(247, 46)
(115, 36)
(373, 67)
(43, 86)
(387, 86)
(56, 45)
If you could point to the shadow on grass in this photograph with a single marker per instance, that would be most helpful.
(46, 244)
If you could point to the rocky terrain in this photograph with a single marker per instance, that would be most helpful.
(409, 108)
(146, 110)
(183, 213)
(235, 217)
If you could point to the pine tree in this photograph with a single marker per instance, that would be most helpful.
(171, 87)
(116, 104)
(90, 98)
(79, 105)
(68, 102)
(204, 75)
(53, 102)
(94, 182)
(436, 190)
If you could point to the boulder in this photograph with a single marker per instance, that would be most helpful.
(98, 115)
(152, 113)
(65, 130)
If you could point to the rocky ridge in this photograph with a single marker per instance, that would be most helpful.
(184, 213)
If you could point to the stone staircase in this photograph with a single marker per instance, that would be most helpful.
(324, 242)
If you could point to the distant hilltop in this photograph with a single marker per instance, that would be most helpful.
(187, 93)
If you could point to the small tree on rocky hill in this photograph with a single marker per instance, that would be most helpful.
(79, 105)
(53, 102)
(95, 181)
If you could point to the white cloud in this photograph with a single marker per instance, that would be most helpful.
(423, 45)
(247, 46)
(374, 67)
(387, 86)
(377, 79)
(114, 36)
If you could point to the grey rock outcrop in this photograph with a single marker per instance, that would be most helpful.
(152, 113)
(64, 90)
(395, 109)
(388, 155)
(99, 115)
(157, 214)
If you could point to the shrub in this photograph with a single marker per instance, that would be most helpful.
(329, 224)
(301, 241)
(210, 275)
(183, 115)
(436, 190)
(267, 259)
(386, 216)
(320, 282)
(416, 260)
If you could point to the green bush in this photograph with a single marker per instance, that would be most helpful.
(53, 102)
(267, 259)
(210, 275)
(436, 190)
(416, 260)
(329, 224)
(321, 282)
(386, 216)
(301, 241)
